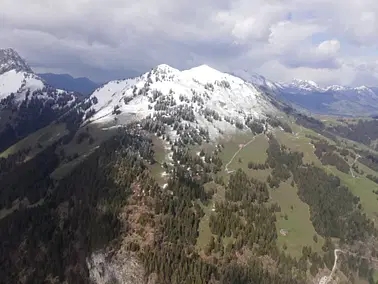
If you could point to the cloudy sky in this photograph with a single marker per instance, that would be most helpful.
(328, 41)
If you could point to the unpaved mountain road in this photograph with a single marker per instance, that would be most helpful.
(327, 279)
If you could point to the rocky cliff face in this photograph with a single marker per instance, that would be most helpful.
(11, 60)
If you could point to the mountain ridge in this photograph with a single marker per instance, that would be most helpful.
(67, 82)
(333, 99)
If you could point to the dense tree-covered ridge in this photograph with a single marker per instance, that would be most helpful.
(334, 209)
(327, 154)
(363, 131)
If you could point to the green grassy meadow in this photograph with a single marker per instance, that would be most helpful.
(298, 224)
(38, 140)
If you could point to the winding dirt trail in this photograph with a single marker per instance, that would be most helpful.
(327, 279)
(237, 152)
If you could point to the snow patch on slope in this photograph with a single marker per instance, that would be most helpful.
(18, 86)
(18, 82)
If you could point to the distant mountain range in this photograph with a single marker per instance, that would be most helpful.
(66, 82)
(304, 94)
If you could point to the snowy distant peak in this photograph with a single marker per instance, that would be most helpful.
(336, 88)
(298, 86)
(364, 91)
(312, 86)
(307, 85)
(304, 82)
(306, 94)
(362, 88)
(11, 60)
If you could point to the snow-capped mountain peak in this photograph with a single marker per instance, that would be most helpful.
(11, 60)
(201, 97)
(165, 69)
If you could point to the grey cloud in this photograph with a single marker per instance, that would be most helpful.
(311, 61)
(108, 38)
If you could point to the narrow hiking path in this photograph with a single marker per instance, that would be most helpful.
(237, 152)
(297, 135)
(355, 160)
(245, 145)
